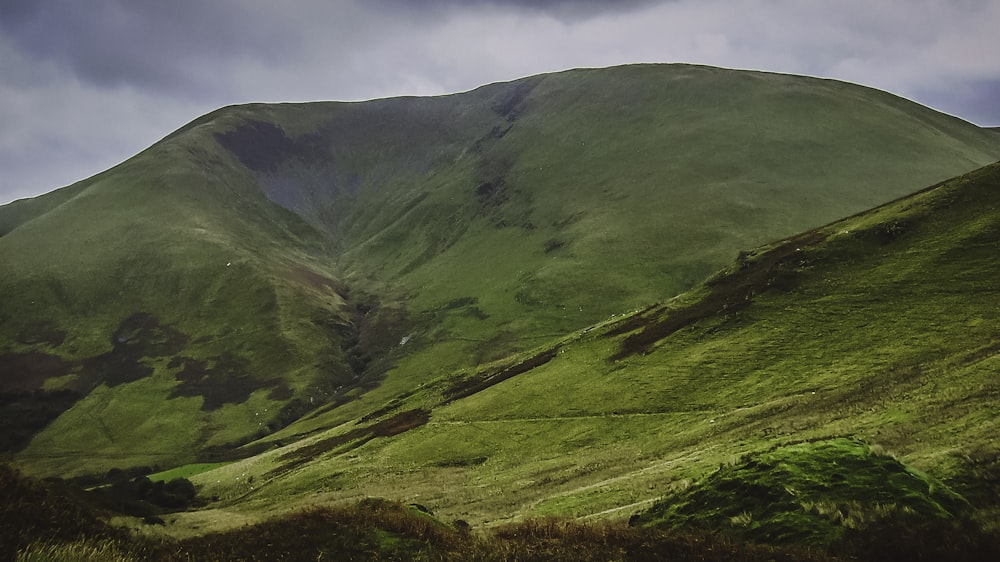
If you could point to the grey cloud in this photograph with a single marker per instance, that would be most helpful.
(145, 44)
(111, 76)
(978, 101)
(564, 10)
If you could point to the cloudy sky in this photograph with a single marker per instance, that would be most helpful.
(85, 84)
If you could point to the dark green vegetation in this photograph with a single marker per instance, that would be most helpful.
(147, 499)
(167, 310)
(376, 529)
(836, 494)
(787, 495)
(881, 327)
(500, 305)
(31, 510)
(371, 529)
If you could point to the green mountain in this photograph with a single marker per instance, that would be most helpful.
(827, 385)
(376, 267)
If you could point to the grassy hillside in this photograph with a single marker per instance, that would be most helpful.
(170, 307)
(266, 261)
(578, 189)
(859, 357)
(556, 201)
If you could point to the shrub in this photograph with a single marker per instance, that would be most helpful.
(30, 509)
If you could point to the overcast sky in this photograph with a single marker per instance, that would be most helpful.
(85, 84)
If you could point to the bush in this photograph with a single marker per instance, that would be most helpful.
(910, 538)
(30, 509)
(142, 497)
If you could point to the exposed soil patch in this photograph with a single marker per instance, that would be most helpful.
(732, 292)
(553, 245)
(980, 354)
(316, 281)
(279, 390)
(485, 142)
(25, 409)
(223, 379)
(24, 414)
(513, 103)
(492, 191)
(400, 423)
(483, 380)
(138, 337)
(263, 146)
(491, 194)
(467, 307)
(460, 303)
(25, 372)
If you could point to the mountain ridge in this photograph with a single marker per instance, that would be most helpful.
(265, 260)
(846, 331)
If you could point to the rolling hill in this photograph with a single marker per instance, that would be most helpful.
(822, 384)
(329, 264)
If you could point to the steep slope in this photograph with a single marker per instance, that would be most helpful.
(169, 307)
(882, 327)
(555, 201)
(268, 259)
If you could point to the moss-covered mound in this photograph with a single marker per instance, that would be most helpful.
(808, 493)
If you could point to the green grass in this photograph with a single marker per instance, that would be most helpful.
(186, 471)
(608, 167)
(49, 521)
(846, 332)
(80, 551)
(486, 226)
(368, 529)
(807, 493)
(162, 240)
(39, 518)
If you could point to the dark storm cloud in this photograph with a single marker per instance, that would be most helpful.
(86, 84)
(145, 43)
(569, 10)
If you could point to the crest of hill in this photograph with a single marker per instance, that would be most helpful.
(268, 260)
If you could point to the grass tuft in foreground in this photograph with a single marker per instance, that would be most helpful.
(837, 494)
(31, 509)
(383, 530)
(42, 521)
(45, 521)
(77, 551)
